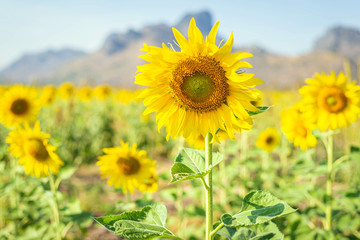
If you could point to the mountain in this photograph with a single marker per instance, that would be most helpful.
(38, 65)
(341, 40)
(116, 60)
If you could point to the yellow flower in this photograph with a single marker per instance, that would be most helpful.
(66, 90)
(102, 92)
(126, 167)
(268, 139)
(150, 185)
(48, 95)
(85, 94)
(35, 153)
(197, 90)
(19, 105)
(297, 129)
(125, 96)
(258, 95)
(330, 101)
(199, 142)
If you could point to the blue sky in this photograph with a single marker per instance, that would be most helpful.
(283, 26)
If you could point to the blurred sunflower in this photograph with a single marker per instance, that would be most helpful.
(19, 105)
(330, 101)
(268, 139)
(102, 92)
(150, 185)
(297, 129)
(66, 90)
(125, 167)
(258, 95)
(199, 89)
(48, 95)
(199, 142)
(85, 94)
(35, 153)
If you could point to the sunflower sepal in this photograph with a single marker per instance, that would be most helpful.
(190, 164)
(257, 207)
(261, 110)
(147, 223)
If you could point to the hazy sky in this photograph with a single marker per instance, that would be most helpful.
(285, 26)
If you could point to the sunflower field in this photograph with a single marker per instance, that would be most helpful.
(196, 152)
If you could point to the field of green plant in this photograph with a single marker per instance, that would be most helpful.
(82, 128)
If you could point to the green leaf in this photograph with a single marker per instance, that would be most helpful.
(265, 231)
(257, 207)
(148, 223)
(190, 164)
(261, 110)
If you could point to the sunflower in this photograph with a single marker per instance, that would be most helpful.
(126, 167)
(35, 153)
(297, 129)
(19, 105)
(150, 185)
(258, 95)
(330, 101)
(197, 90)
(85, 94)
(66, 90)
(48, 95)
(268, 139)
(199, 142)
(102, 92)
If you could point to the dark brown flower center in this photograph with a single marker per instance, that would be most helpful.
(36, 148)
(128, 165)
(332, 99)
(269, 140)
(199, 84)
(20, 106)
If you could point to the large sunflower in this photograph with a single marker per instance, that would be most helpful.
(126, 167)
(197, 90)
(268, 139)
(297, 129)
(19, 105)
(330, 101)
(35, 153)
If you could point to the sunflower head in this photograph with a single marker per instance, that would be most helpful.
(102, 92)
(85, 94)
(199, 89)
(19, 105)
(35, 153)
(330, 101)
(48, 95)
(268, 139)
(150, 185)
(66, 90)
(125, 167)
(297, 129)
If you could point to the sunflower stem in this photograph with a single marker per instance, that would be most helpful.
(329, 182)
(55, 206)
(128, 196)
(209, 190)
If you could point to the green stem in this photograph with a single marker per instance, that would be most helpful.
(209, 192)
(212, 234)
(55, 206)
(329, 182)
(128, 197)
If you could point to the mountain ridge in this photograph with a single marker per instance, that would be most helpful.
(116, 60)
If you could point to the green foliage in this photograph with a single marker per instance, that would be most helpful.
(257, 207)
(265, 231)
(261, 110)
(190, 164)
(148, 223)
